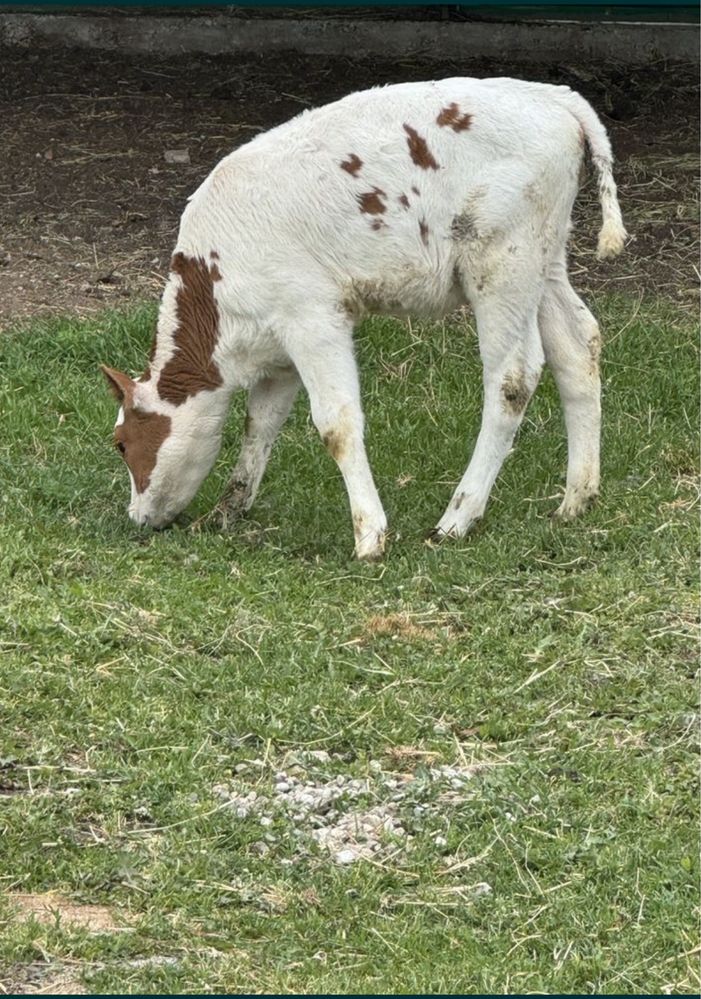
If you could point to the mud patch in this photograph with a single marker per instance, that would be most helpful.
(50, 907)
(400, 625)
(39, 978)
(335, 443)
(515, 392)
(594, 348)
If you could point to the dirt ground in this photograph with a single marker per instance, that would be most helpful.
(89, 204)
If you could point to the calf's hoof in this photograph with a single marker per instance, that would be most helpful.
(573, 505)
(232, 506)
(371, 547)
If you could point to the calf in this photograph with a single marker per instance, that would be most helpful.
(410, 199)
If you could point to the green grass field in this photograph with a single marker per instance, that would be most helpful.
(551, 668)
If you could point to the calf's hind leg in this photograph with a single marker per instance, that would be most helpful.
(512, 358)
(572, 343)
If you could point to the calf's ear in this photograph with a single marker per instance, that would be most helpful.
(121, 386)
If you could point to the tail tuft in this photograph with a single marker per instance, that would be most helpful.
(612, 238)
(613, 235)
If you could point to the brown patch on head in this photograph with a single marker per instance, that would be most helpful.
(191, 369)
(515, 391)
(335, 444)
(45, 908)
(403, 200)
(452, 117)
(420, 154)
(352, 165)
(423, 229)
(139, 439)
(371, 202)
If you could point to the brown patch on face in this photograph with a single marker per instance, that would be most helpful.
(423, 229)
(335, 444)
(452, 117)
(371, 202)
(403, 200)
(515, 392)
(139, 439)
(352, 165)
(418, 149)
(191, 369)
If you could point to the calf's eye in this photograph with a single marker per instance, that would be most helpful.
(120, 447)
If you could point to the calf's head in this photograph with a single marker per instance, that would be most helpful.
(168, 449)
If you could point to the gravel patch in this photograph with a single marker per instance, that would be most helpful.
(348, 818)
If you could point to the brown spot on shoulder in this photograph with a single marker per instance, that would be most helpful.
(352, 165)
(140, 436)
(371, 202)
(420, 154)
(515, 391)
(423, 229)
(452, 117)
(403, 200)
(378, 224)
(416, 191)
(191, 368)
(214, 255)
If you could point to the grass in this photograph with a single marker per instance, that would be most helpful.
(555, 665)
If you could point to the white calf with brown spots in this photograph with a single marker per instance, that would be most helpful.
(412, 199)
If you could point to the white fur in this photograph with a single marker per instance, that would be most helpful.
(300, 263)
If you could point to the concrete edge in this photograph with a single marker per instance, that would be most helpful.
(624, 43)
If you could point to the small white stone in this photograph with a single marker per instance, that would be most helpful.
(345, 857)
(283, 787)
(265, 820)
(440, 841)
(482, 888)
(176, 156)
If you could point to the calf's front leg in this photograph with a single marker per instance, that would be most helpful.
(269, 403)
(326, 365)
